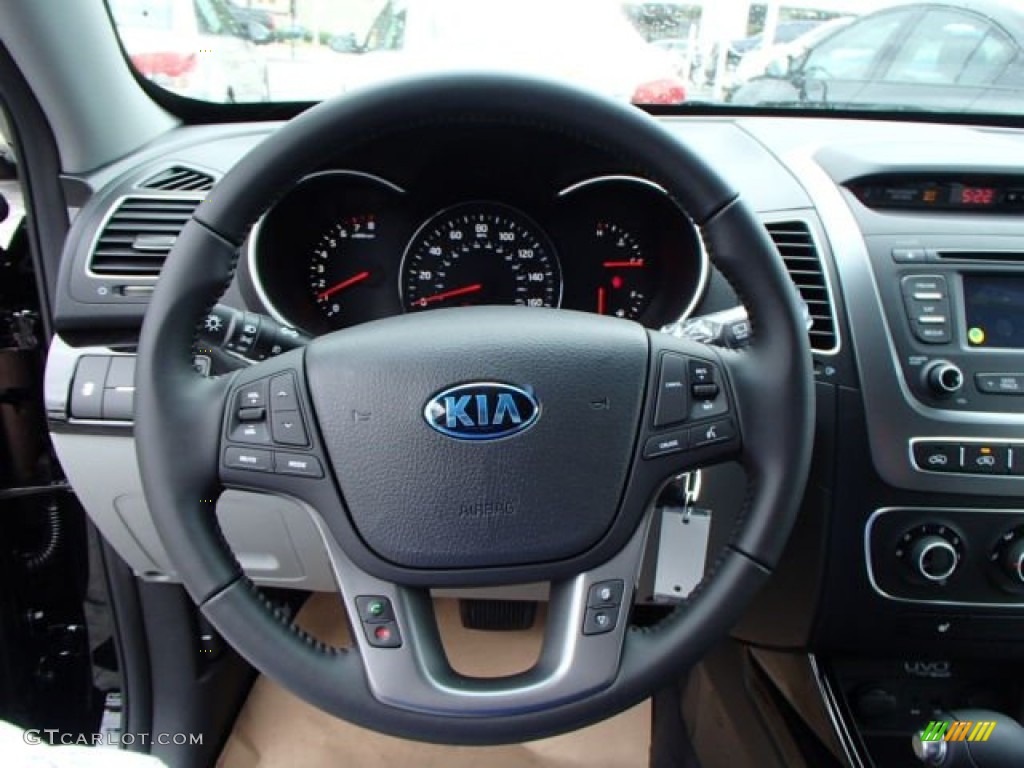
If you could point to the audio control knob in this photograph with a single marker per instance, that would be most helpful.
(1008, 558)
(932, 552)
(943, 378)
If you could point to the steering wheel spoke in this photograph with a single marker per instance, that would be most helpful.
(406, 666)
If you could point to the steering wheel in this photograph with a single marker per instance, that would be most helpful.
(474, 446)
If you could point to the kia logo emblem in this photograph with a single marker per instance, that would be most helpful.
(482, 410)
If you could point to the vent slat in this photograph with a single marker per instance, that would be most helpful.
(803, 262)
(138, 236)
(179, 178)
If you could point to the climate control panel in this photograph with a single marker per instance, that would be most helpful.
(947, 556)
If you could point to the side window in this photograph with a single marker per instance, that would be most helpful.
(951, 48)
(388, 30)
(849, 54)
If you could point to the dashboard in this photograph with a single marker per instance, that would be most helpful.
(345, 247)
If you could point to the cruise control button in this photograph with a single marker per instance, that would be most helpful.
(701, 373)
(715, 432)
(253, 395)
(672, 401)
(605, 593)
(282, 393)
(663, 445)
(986, 459)
(600, 620)
(705, 391)
(254, 432)
(298, 464)
(287, 428)
(937, 457)
(248, 458)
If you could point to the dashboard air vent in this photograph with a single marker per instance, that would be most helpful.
(178, 178)
(139, 234)
(803, 262)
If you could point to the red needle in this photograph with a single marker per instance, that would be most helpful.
(638, 264)
(449, 294)
(600, 301)
(342, 285)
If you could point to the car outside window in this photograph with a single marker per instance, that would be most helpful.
(850, 54)
(950, 48)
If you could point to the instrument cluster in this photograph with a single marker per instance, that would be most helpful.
(345, 247)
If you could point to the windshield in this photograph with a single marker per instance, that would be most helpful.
(942, 55)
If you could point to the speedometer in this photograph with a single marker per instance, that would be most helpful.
(480, 253)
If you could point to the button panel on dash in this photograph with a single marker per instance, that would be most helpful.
(971, 458)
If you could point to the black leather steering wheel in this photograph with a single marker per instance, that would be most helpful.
(364, 427)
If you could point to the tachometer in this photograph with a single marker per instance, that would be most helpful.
(480, 253)
(341, 266)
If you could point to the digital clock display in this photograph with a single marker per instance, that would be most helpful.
(975, 196)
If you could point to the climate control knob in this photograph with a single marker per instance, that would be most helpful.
(1008, 559)
(932, 552)
(943, 378)
(933, 558)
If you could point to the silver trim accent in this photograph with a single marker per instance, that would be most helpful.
(705, 261)
(114, 208)
(892, 420)
(781, 217)
(941, 544)
(417, 677)
(839, 727)
(252, 242)
(934, 511)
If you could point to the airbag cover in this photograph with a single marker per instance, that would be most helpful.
(422, 498)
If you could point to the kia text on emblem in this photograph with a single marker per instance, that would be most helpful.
(483, 410)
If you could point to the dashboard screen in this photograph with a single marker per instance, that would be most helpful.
(994, 306)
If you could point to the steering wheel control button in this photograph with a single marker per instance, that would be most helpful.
(87, 387)
(252, 414)
(253, 395)
(254, 433)
(374, 609)
(383, 635)
(598, 621)
(986, 459)
(282, 393)
(605, 594)
(710, 434)
(937, 457)
(671, 407)
(298, 464)
(706, 391)
(248, 458)
(669, 443)
(287, 428)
